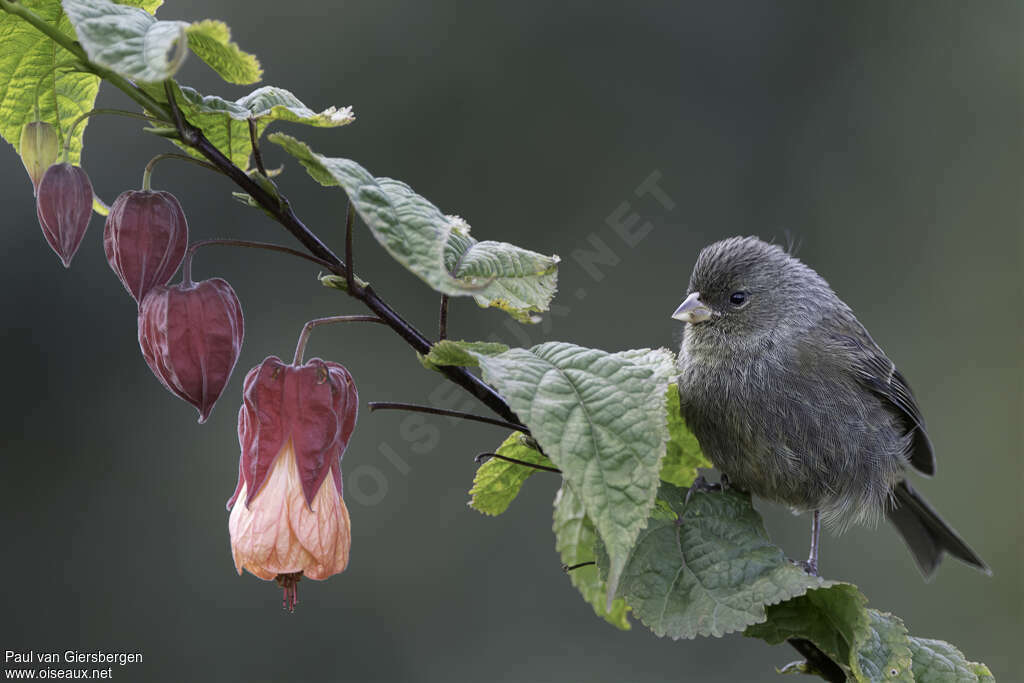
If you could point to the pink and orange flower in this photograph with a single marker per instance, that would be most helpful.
(288, 517)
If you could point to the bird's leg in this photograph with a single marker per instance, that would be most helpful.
(700, 484)
(811, 565)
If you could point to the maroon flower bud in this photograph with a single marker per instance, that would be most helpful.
(38, 148)
(144, 238)
(191, 334)
(63, 205)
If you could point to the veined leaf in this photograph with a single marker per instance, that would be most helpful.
(600, 419)
(683, 455)
(574, 540)
(27, 67)
(436, 248)
(707, 567)
(868, 644)
(127, 40)
(134, 44)
(226, 123)
(884, 654)
(497, 482)
(210, 40)
(936, 661)
(460, 353)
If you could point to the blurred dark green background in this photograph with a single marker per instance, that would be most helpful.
(885, 137)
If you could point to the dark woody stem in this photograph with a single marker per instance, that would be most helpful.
(147, 173)
(280, 209)
(350, 274)
(442, 318)
(819, 662)
(307, 329)
(256, 154)
(416, 408)
(484, 457)
(186, 269)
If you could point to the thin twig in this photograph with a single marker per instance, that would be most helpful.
(484, 457)
(442, 318)
(256, 155)
(147, 173)
(568, 568)
(416, 408)
(94, 112)
(307, 329)
(252, 245)
(350, 270)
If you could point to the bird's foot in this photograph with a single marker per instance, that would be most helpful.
(809, 566)
(701, 485)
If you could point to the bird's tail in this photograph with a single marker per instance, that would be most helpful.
(926, 534)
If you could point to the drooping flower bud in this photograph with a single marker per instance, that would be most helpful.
(145, 238)
(190, 335)
(288, 517)
(38, 148)
(63, 205)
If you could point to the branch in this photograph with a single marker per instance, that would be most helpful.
(280, 209)
(484, 457)
(416, 408)
(819, 662)
(276, 205)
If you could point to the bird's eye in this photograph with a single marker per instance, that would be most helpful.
(738, 298)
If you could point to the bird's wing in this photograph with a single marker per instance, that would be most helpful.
(879, 374)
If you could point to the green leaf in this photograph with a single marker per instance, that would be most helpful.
(884, 654)
(27, 60)
(574, 540)
(683, 454)
(707, 567)
(869, 644)
(226, 123)
(497, 482)
(600, 418)
(833, 618)
(436, 248)
(127, 40)
(460, 353)
(936, 661)
(133, 44)
(210, 40)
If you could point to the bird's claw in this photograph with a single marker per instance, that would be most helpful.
(700, 484)
(808, 566)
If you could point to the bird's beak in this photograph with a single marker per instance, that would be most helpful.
(693, 310)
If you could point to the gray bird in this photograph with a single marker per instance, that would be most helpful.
(792, 400)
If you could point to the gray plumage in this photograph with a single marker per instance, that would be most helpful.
(790, 397)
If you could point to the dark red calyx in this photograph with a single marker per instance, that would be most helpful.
(191, 335)
(63, 205)
(314, 404)
(145, 238)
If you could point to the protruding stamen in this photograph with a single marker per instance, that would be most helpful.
(289, 584)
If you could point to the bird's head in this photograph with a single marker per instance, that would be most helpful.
(744, 290)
